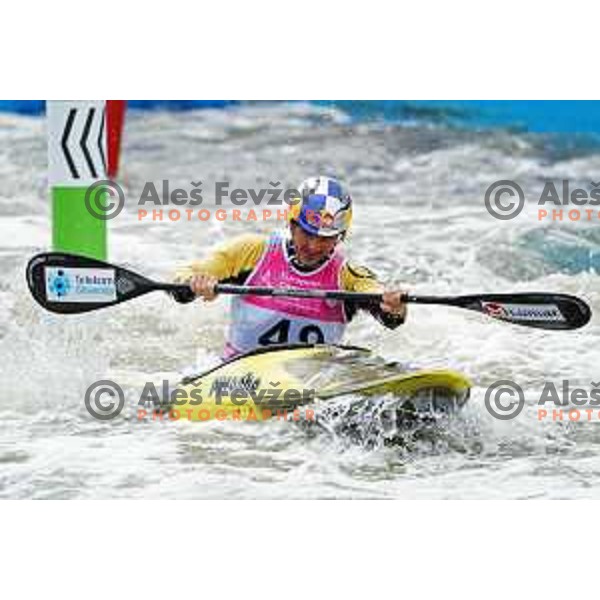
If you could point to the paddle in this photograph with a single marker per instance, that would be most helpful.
(67, 284)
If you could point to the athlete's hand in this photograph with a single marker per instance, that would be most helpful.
(393, 303)
(204, 285)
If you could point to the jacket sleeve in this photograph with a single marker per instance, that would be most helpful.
(228, 262)
(361, 279)
(231, 262)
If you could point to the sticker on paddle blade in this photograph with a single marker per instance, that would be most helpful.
(66, 284)
(493, 309)
(524, 312)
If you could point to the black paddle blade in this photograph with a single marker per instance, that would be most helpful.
(542, 310)
(69, 283)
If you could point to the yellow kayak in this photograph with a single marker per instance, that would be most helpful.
(290, 382)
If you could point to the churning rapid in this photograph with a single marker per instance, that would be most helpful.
(420, 222)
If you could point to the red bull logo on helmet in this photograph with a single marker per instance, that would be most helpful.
(319, 218)
(325, 214)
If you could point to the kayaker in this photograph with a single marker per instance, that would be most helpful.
(308, 255)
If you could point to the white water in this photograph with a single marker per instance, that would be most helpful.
(420, 220)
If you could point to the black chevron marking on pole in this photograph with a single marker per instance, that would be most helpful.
(101, 139)
(83, 142)
(65, 139)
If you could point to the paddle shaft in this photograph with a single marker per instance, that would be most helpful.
(244, 290)
(222, 288)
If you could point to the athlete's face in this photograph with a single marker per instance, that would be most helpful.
(311, 249)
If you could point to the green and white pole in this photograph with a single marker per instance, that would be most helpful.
(77, 159)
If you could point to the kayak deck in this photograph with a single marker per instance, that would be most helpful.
(274, 381)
